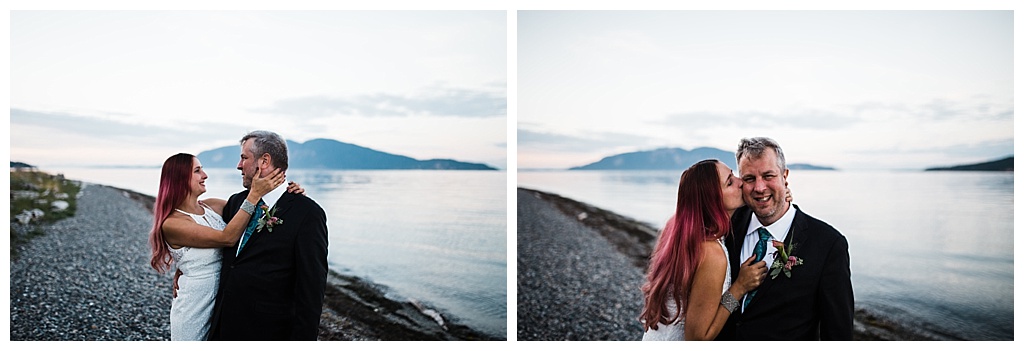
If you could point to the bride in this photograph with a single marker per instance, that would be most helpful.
(688, 278)
(190, 233)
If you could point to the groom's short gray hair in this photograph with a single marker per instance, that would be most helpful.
(754, 148)
(266, 142)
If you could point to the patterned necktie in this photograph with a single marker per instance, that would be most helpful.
(759, 250)
(252, 225)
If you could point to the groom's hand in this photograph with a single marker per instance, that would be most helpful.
(177, 274)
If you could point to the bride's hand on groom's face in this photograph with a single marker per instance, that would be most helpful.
(263, 185)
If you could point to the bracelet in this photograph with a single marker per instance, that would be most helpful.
(729, 302)
(248, 207)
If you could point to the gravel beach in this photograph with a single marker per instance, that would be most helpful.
(88, 278)
(572, 284)
(580, 269)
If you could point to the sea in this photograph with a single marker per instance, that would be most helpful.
(930, 250)
(436, 237)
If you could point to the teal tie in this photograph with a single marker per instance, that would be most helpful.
(252, 225)
(759, 250)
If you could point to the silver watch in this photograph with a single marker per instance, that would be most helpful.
(729, 302)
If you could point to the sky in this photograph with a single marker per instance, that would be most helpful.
(847, 89)
(134, 87)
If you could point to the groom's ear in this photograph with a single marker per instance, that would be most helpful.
(265, 159)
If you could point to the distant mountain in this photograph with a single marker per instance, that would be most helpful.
(661, 159)
(333, 154)
(804, 166)
(1005, 164)
(21, 165)
(674, 159)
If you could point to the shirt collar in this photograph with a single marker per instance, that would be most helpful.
(271, 198)
(779, 229)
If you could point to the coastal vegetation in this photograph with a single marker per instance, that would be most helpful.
(38, 198)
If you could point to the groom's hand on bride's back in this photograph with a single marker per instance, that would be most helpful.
(174, 293)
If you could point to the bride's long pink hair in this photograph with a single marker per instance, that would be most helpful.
(174, 187)
(700, 216)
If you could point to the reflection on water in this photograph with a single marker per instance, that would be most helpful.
(931, 249)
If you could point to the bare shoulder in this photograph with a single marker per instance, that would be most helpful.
(216, 204)
(713, 254)
(175, 223)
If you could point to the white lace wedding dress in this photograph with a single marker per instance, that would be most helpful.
(197, 286)
(676, 331)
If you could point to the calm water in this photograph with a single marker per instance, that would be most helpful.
(437, 237)
(933, 250)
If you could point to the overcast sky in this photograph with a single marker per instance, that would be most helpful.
(132, 88)
(849, 89)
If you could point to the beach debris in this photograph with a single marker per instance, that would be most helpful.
(581, 216)
(430, 313)
(27, 216)
(24, 194)
(59, 205)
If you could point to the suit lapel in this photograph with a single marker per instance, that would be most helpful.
(736, 241)
(281, 207)
(283, 204)
(797, 236)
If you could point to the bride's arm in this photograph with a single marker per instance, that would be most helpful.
(705, 315)
(183, 231)
(217, 205)
(702, 305)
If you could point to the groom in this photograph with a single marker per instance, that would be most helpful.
(272, 287)
(813, 300)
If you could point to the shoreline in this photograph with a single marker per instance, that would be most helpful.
(635, 240)
(358, 310)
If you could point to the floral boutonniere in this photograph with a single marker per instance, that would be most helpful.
(268, 219)
(784, 262)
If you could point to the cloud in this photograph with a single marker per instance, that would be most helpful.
(562, 142)
(846, 116)
(806, 119)
(985, 150)
(437, 102)
(944, 110)
(115, 130)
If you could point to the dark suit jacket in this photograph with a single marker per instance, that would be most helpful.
(274, 289)
(815, 303)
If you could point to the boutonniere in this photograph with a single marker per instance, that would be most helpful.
(784, 262)
(268, 219)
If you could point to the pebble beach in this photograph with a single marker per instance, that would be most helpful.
(580, 269)
(88, 278)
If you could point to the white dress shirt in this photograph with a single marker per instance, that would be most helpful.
(779, 231)
(271, 198)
